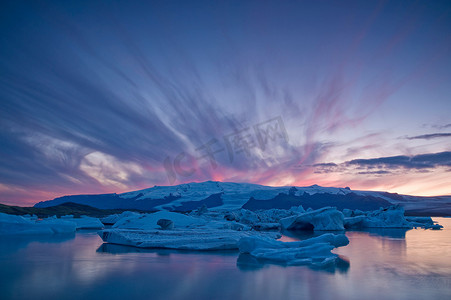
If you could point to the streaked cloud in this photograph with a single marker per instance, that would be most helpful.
(429, 136)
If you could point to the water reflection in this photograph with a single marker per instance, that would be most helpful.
(247, 262)
(11, 244)
(122, 249)
(385, 265)
(394, 233)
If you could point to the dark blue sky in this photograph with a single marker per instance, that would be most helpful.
(109, 96)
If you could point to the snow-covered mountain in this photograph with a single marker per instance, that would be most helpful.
(229, 195)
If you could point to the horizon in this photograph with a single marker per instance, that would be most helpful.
(115, 97)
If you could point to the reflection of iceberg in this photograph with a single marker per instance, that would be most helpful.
(395, 233)
(14, 243)
(121, 249)
(247, 262)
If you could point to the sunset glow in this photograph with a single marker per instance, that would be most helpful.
(98, 98)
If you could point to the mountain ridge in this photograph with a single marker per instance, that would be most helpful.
(231, 195)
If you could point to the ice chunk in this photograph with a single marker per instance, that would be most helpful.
(262, 219)
(11, 224)
(112, 219)
(247, 245)
(422, 220)
(326, 218)
(84, 222)
(314, 251)
(58, 225)
(192, 239)
(353, 222)
(391, 217)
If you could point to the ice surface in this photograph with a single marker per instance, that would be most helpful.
(149, 221)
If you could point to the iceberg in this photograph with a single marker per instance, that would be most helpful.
(12, 225)
(391, 217)
(84, 222)
(314, 251)
(326, 218)
(112, 219)
(58, 225)
(184, 239)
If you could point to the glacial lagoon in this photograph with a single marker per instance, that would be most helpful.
(377, 264)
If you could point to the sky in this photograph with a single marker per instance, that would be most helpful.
(115, 96)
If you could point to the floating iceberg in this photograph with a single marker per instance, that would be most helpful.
(112, 219)
(58, 225)
(201, 230)
(314, 251)
(326, 218)
(189, 239)
(11, 225)
(391, 217)
(84, 222)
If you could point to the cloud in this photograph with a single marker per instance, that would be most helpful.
(422, 161)
(430, 136)
(388, 164)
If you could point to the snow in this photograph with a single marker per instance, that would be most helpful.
(234, 195)
(326, 218)
(314, 251)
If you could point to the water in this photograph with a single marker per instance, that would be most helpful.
(380, 264)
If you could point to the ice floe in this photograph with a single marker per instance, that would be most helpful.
(188, 239)
(315, 251)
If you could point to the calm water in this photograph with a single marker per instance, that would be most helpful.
(384, 264)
